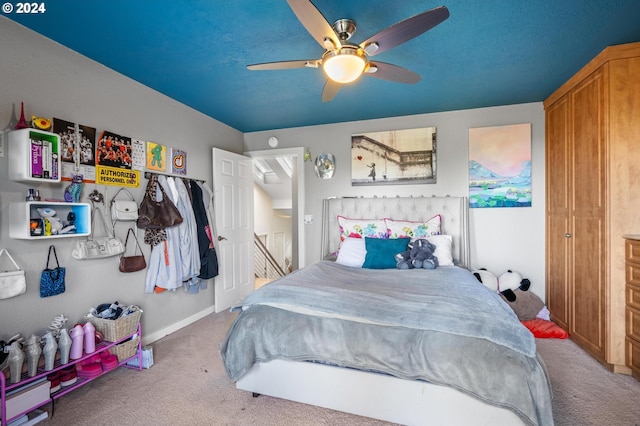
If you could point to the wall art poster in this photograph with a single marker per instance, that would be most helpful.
(137, 154)
(77, 148)
(394, 157)
(113, 150)
(500, 166)
(156, 157)
(178, 161)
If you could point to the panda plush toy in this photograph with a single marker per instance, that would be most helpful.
(514, 290)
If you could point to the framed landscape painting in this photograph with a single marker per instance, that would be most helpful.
(500, 166)
(394, 157)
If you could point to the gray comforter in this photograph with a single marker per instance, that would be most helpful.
(441, 326)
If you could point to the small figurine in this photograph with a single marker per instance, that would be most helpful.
(40, 123)
(73, 191)
(22, 123)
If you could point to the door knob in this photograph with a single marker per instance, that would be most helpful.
(567, 235)
(220, 238)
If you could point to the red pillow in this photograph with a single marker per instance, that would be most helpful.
(545, 329)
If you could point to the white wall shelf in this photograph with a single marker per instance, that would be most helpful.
(35, 156)
(24, 219)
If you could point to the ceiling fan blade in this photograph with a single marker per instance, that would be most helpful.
(284, 65)
(315, 23)
(330, 90)
(404, 30)
(385, 71)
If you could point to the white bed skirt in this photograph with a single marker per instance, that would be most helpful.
(372, 395)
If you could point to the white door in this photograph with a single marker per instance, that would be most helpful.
(233, 204)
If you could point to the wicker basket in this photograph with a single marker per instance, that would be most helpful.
(125, 350)
(114, 330)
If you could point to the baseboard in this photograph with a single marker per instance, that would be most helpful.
(149, 338)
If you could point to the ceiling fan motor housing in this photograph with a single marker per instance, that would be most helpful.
(344, 28)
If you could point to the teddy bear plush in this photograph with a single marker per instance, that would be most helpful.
(419, 255)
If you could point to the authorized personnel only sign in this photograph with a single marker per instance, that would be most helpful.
(117, 177)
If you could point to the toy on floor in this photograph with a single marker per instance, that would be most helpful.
(515, 291)
(511, 281)
(419, 255)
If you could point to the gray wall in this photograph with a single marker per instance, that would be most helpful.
(501, 238)
(54, 81)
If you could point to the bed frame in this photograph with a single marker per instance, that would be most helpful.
(377, 395)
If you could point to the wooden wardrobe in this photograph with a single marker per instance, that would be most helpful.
(592, 199)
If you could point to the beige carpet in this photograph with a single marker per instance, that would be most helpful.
(188, 386)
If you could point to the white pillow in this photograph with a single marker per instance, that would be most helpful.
(443, 248)
(413, 229)
(361, 228)
(352, 252)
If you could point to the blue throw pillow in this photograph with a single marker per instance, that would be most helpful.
(381, 252)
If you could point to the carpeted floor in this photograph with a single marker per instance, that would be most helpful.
(188, 386)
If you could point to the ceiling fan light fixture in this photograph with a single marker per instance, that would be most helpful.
(344, 65)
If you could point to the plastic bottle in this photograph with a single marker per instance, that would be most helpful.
(89, 338)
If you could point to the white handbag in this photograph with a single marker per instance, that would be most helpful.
(124, 210)
(98, 247)
(12, 283)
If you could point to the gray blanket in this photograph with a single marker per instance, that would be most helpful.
(451, 330)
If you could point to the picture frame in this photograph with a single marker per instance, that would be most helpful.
(500, 166)
(394, 157)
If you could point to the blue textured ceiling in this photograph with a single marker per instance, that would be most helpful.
(488, 53)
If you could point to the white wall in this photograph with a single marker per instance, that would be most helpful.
(54, 81)
(501, 238)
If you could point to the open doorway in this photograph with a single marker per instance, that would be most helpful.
(279, 184)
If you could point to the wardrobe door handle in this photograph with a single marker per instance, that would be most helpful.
(220, 238)
(567, 235)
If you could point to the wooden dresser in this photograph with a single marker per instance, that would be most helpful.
(592, 200)
(632, 250)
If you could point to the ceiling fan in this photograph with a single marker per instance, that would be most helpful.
(344, 62)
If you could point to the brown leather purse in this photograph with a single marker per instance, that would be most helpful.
(154, 214)
(132, 263)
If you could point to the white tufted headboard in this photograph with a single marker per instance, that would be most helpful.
(454, 212)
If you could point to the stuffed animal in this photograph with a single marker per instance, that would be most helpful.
(489, 279)
(419, 255)
(514, 290)
(52, 224)
(511, 281)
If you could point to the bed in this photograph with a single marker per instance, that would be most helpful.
(329, 334)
